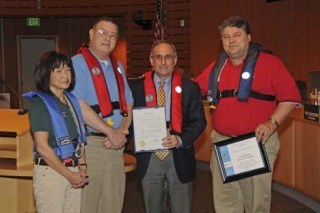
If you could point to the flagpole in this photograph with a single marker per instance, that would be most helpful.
(159, 28)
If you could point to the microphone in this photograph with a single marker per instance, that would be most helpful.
(21, 110)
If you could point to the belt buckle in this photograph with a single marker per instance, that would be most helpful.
(68, 161)
(235, 93)
(38, 160)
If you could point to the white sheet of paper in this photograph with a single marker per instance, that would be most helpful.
(149, 128)
(245, 155)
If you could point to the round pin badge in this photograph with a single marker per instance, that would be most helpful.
(178, 89)
(142, 143)
(149, 98)
(245, 75)
(95, 70)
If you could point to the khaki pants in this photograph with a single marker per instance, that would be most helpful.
(53, 192)
(251, 194)
(105, 191)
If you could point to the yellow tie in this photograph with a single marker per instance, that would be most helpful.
(161, 101)
(161, 96)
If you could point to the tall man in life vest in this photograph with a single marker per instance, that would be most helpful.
(106, 102)
(174, 172)
(249, 91)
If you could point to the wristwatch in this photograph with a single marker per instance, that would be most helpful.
(81, 165)
(275, 122)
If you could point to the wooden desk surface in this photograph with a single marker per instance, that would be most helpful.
(10, 121)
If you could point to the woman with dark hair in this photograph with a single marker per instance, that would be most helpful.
(59, 136)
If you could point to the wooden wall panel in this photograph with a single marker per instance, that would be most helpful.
(303, 38)
(178, 11)
(72, 33)
(72, 19)
(205, 16)
(11, 74)
(64, 44)
(139, 41)
(288, 28)
(48, 27)
(268, 23)
(1, 54)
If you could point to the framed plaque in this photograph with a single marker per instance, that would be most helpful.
(149, 124)
(241, 157)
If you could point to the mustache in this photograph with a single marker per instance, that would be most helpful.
(232, 44)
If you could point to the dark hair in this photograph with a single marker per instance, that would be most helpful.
(235, 21)
(157, 42)
(106, 19)
(46, 64)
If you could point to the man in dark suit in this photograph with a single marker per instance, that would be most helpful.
(173, 175)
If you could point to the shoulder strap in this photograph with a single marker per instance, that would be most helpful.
(246, 78)
(150, 89)
(121, 88)
(77, 115)
(176, 102)
(213, 79)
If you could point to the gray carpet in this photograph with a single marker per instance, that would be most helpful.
(202, 197)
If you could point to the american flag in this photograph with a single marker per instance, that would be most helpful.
(159, 31)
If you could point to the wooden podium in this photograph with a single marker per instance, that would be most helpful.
(16, 162)
(203, 145)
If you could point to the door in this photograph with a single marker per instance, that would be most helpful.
(31, 47)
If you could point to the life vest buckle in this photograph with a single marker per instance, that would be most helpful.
(67, 161)
(235, 93)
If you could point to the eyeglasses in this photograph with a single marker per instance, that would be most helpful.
(166, 57)
(112, 35)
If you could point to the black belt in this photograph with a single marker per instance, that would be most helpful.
(41, 162)
(253, 94)
(99, 134)
(96, 108)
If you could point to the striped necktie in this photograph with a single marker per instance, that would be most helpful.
(161, 101)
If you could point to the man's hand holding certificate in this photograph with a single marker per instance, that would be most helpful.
(149, 128)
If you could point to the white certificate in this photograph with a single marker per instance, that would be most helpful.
(241, 157)
(244, 156)
(149, 125)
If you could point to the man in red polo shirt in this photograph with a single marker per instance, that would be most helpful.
(250, 91)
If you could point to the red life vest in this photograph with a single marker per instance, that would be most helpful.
(100, 83)
(176, 98)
